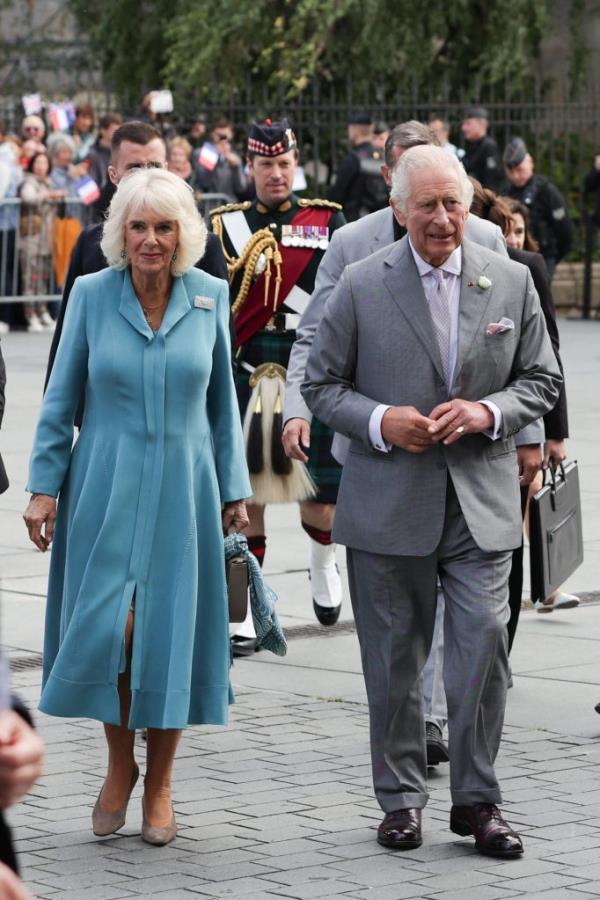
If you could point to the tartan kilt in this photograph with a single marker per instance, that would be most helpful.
(268, 346)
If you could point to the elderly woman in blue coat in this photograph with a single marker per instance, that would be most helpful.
(136, 630)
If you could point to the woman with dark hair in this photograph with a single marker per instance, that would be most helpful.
(518, 235)
(82, 131)
(511, 216)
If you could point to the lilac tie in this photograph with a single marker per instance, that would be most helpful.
(440, 317)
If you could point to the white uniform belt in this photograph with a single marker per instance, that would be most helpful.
(238, 230)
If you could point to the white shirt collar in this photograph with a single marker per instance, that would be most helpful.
(453, 265)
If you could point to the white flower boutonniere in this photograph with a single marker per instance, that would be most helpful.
(484, 283)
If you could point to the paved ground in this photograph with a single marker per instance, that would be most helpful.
(279, 804)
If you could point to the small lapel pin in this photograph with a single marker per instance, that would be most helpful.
(204, 302)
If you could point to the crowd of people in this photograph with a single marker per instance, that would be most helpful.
(47, 169)
(407, 360)
(54, 183)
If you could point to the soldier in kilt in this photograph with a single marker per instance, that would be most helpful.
(273, 246)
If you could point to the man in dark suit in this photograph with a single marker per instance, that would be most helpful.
(134, 145)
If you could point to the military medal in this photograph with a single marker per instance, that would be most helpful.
(314, 236)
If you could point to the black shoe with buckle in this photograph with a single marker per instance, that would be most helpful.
(437, 749)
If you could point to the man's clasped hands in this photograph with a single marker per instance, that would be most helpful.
(406, 427)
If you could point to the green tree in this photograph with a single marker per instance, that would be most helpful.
(447, 46)
(128, 38)
(206, 50)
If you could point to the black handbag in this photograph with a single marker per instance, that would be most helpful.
(555, 534)
(238, 584)
(237, 588)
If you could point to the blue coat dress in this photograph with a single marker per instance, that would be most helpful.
(139, 509)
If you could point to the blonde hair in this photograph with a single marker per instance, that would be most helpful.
(163, 194)
(427, 157)
(179, 142)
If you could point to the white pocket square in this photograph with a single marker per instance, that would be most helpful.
(500, 327)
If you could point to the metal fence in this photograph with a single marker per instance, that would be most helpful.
(36, 243)
(562, 136)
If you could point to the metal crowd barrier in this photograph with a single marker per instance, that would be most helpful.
(206, 202)
(36, 241)
(36, 244)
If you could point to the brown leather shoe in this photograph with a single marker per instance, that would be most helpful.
(493, 835)
(401, 830)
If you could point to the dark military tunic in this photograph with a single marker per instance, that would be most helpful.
(273, 343)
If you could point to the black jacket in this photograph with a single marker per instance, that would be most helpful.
(359, 185)
(88, 257)
(556, 421)
(482, 161)
(549, 222)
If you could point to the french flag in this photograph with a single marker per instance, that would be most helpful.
(209, 157)
(87, 189)
(59, 119)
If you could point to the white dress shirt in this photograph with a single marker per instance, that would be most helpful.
(451, 271)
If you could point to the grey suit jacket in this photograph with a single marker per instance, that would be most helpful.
(348, 245)
(375, 344)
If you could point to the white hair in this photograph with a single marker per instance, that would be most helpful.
(162, 194)
(57, 141)
(427, 157)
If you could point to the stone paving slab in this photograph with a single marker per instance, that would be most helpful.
(280, 804)
(307, 834)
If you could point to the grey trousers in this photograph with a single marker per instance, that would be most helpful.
(394, 602)
(434, 693)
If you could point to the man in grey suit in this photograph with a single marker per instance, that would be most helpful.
(430, 356)
(349, 244)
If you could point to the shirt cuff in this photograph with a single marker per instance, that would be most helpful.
(375, 436)
(495, 432)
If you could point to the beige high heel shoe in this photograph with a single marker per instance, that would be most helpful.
(104, 823)
(155, 834)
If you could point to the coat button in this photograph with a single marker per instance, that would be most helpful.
(440, 465)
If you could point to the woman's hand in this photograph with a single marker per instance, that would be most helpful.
(235, 516)
(41, 513)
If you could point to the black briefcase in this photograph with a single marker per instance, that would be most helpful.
(555, 535)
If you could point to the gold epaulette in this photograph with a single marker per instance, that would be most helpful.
(318, 202)
(230, 207)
